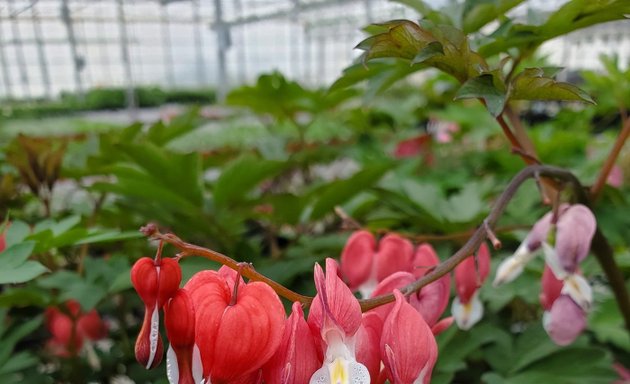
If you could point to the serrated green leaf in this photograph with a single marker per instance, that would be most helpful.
(407, 40)
(432, 49)
(22, 273)
(487, 87)
(531, 84)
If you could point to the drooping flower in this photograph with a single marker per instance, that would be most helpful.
(336, 315)
(408, 347)
(70, 327)
(563, 318)
(431, 301)
(183, 356)
(364, 264)
(156, 281)
(238, 326)
(565, 321)
(295, 360)
(574, 231)
(469, 276)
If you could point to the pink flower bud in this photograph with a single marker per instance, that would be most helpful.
(576, 228)
(394, 254)
(408, 348)
(357, 258)
(565, 321)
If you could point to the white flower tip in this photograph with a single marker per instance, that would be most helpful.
(578, 288)
(508, 270)
(469, 314)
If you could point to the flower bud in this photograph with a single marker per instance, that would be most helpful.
(156, 281)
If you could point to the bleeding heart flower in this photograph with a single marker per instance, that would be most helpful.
(238, 326)
(574, 231)
(513, 266)
(296, 358)
(156, 281)
(183, 357)
(70, 328)
(336, 314)
(469, 276)
(565, 321)
(408, 347)
(364, 264)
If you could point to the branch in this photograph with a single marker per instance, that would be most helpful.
(599, 246)
(610, 161)
(246, 270)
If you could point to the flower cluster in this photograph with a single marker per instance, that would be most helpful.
(565, 237)
(71, 328)
(222, 329)
(375, 268)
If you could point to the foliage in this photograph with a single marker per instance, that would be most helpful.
(261, 185)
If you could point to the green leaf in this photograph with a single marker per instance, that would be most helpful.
(241, 176)
(16, 255)
(65, 225)
(478, 13)
(18, 362)
(450, 51)
(487, 87)
(340, 191)
(23, 273)
(17, 333)
(107, 236)
(573, 365)
(24, 297)
(531, 84)
(432, 49)
(16, 232)
(573, 15)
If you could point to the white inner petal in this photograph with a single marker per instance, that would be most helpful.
(579, 290)
(154, 334)
(469, 314)
(172, 368)
(197, 365)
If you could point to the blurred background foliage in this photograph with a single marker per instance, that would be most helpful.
(258, 178)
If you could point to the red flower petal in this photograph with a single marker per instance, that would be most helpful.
(236, 340)
(408, 347)
(551, 288)
(471, 273)
(394, 255)
(357, 258)
(296, 358)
